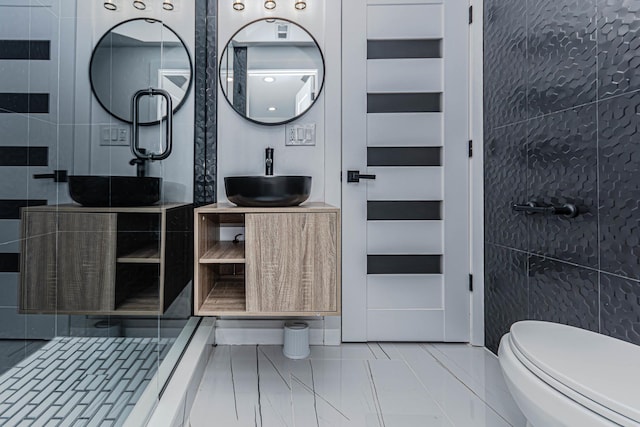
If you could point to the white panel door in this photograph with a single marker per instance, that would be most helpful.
(405, 128)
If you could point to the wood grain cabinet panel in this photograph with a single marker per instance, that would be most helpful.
(63, 254)
(291, 262)
(116, 261)
(288, 265)
(38, 262)
(86, 259)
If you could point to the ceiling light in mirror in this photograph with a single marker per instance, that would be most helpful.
(167, 5)
(110, 5)
(269, 79)
(272, 108)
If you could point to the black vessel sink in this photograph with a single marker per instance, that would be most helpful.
(106, 191)
(267, 191)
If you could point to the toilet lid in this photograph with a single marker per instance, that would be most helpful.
(602, 369)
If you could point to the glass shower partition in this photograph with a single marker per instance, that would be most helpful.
(89, 322)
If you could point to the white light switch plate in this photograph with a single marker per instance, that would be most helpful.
(300, 134)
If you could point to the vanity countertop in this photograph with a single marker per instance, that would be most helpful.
(229, 208)
(72, 207)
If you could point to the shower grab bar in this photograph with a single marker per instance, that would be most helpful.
(568, 209)
(135, 137)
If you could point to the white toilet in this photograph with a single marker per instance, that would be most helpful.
(565, 376)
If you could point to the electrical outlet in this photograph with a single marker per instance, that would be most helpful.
(300, 134)
(114, 135)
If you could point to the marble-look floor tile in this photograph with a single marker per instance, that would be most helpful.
(480, 371)
(373, 384)
(461, 405)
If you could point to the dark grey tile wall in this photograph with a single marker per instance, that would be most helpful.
(562, 119)
(206, 87)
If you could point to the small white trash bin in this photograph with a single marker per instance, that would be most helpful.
(296, 340)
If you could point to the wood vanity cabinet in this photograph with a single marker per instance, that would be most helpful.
(116, 261)
(287, 265)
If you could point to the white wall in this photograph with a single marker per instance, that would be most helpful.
(92, 158)
(241, 143)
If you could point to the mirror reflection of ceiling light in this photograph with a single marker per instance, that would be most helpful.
(167, 5)
(300, 4)
(272, 108)
(110, 5)
(139, 4)
(229, 79)
(269, 79)
(270, 4)
(238, 4)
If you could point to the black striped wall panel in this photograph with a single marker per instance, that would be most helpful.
(25, 49)
(24, 156)
(35, 103)
(426, 102)
(9, 263)
(404, 264)
(10, 208)
(404, 156)
(404, 211)
(400, 49)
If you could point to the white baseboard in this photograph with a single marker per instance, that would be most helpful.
(270, 332)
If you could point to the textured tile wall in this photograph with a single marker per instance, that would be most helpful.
(206, 81)
(562, 125)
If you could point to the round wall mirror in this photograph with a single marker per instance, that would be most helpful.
(272, 71)
(140, 54)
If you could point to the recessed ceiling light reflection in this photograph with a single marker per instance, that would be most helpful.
(110, 5)
(269, 79)
(139, 4)
(167, 5)
(272, 108)
(238, 4)
(270, 4)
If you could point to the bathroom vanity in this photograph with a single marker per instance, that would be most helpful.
(115, 261)
(287, 264)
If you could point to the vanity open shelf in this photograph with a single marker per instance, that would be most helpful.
(116, 261)
(224, 253)
(287, 265)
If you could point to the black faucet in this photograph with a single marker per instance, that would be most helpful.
(141, 164)
(268, 161)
